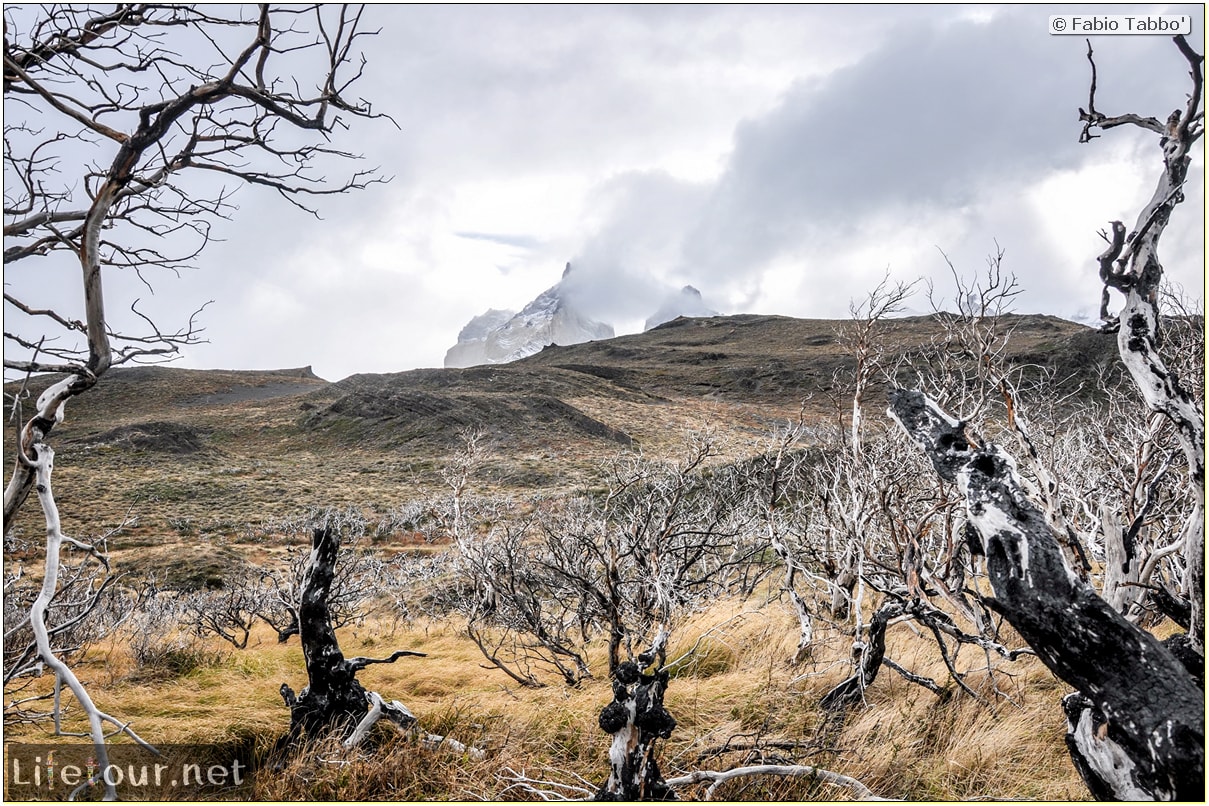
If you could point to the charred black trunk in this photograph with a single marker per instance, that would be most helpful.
(333, 700)
(870, 658)
(636, 718)
(1137, 728)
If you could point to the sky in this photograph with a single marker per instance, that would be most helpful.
(781, 159)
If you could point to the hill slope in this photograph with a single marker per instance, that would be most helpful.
(214, 452)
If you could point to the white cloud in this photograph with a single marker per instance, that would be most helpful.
(778, 158)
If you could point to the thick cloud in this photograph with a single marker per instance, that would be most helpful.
(942, 132)
(958, 136)
(617, 275)
(779, 158)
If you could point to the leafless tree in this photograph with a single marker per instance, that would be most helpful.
(505, 596)
(636, 719)
(275, 596)
(774, 477)
(88, 606)
(850, 501)
(526, 613)
(334, 701)
(109, 114)
(666, 538)
(661, 541)
(1130, 265)
(122, 129)
(917, 551)
(230, 612)
(856, 519)
(1136, 721)
(1125, 498)
(1106, 475)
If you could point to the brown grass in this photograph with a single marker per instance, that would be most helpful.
(736, 687)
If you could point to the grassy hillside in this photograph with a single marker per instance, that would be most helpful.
(214, 452)
(209, 469)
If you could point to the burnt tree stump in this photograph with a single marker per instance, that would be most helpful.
(636, 718)
(333, 700)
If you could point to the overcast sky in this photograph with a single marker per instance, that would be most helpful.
(781, 159)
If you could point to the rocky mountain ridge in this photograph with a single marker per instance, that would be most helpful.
(685, 302)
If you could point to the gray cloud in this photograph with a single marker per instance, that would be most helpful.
(952, 122)
(778, 158)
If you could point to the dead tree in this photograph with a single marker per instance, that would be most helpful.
(774, 475)
(636, 719)
(876, 503)
(665, 540)
(105, 118)
(869, 656)
(73, 73)
(349, 598)
(229, 612)
(333, 700)
(850, 502)
(519, 610)
(87, 607)
(1130, 265)
(1135, 501)
(1142, 736)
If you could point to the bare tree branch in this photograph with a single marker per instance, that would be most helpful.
(859, 790)
(103, 120)
(1131, 266)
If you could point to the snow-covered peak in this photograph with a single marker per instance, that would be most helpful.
(549, 319)
(484, 323)
(473, 338)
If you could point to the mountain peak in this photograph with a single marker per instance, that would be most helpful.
(550, 318)
(685, 302)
